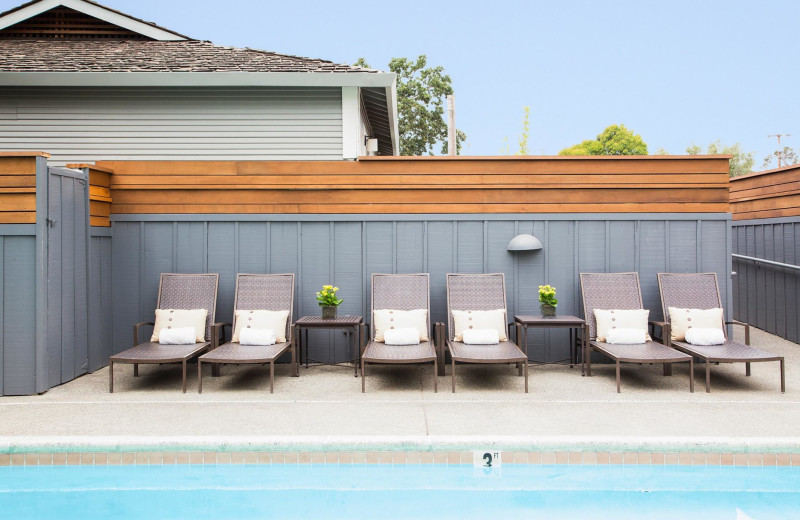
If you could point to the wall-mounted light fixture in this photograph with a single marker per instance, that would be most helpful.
(524, 242)
(371, 144)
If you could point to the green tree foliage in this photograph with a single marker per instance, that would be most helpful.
(740, 164)
(421, 98)
(614, 140)
(788, 157)
(523, 137)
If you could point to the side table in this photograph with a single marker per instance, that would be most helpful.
(351, 323)
(568, 322)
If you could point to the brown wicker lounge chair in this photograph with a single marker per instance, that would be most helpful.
(480, 292)
(701, 291)
(175, 291)
(622, 291)
(271, 292)
(401, 292)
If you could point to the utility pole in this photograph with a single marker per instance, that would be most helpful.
(780, 152)
(451, 125)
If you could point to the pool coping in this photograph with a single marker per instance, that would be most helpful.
(449, 450)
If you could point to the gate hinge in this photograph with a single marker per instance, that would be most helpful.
(50, 222)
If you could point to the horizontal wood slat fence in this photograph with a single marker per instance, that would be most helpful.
(769, 194)
(99, 194)
(653, 184)
(18, 187)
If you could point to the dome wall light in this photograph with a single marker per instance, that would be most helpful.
(524, 242)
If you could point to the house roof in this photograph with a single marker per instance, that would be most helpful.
(152, 56)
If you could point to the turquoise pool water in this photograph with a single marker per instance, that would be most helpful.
(413, 492)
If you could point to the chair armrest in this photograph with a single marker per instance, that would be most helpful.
(136, 330)
(215, 330)
(665, 332)
(746, 329)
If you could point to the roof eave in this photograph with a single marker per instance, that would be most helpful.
(198, 79)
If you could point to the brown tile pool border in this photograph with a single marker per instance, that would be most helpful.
(397, 458)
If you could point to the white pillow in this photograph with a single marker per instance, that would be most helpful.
(405, 336)
(260, 337)
(495, 319)
(180, 336)
(699, 336)
(181, 318)
(681, 319)
(261, 319)
(387, 319)
(621, 319)
(480, 336)
(626, 336)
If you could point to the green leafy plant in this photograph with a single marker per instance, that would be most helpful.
(547, 295)
(327, 296)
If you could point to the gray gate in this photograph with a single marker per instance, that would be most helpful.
(67, 274)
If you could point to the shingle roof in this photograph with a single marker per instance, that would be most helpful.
(152, 56)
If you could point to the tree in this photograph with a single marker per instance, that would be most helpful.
(787, 157)
(421, 95)
(523, 137)
(614, 140)
(740, 164)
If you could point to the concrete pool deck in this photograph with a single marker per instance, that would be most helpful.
(325, 409)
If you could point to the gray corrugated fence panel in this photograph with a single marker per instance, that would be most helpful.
(40, 369)
(346, 250)
(100, 299)
(767, 296)
(248, 123)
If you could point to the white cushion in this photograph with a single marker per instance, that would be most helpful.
(464, 320)
(626, 336)
(620, 319)
(257, 336)
(180, 336)
(480, 336)
(181, 318)
(700, 336)
(404, 336)
(388, 319)
(261, 319)
(681, 319)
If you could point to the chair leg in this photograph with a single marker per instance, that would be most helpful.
(111, 377)
(618, 376)
(435, 375)
(200, 376)
(747, 369)
(783, 378)
(363, 375)
(526, 377)
(589, 361)
(453, 374)
(708, 377)
(272, 377)
(184, 376)
(519, 369)
(216, 369)
(295, 373)
(691, 375)
(136, 370)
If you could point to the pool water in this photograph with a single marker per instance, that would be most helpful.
(414, 492)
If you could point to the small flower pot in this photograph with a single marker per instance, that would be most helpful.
(548, 311)
(329, 312)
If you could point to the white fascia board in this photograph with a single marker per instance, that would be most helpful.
(351, 117)
(391, 100)
(197, 79)
(96, 11)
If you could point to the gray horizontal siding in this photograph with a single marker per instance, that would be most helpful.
(767, 296)
(346, 250)
(75, 124)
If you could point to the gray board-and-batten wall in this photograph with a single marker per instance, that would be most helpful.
(346, 249)
(765, 295)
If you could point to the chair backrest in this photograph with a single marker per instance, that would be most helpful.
(269, 292)
(475, 292)
(402, 292)
(189, 291)
(689, 291)
(609, 291)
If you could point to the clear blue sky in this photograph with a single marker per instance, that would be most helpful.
(677, 72)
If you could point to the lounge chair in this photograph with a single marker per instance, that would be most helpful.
(271, 292)
(402, 292)
(701, 291)
(175, 291)
(621, 291)
(480, 292)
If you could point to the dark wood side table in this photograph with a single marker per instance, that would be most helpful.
(351, 323)
(562, 322)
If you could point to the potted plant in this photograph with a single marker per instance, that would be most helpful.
(547, 297)
(328, 301)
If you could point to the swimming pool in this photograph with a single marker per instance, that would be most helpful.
(415, 491)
